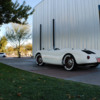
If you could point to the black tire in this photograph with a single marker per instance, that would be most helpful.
(69, 62)
(39, 60)
(4, 56)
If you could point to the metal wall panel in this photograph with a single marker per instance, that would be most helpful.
(76, 24)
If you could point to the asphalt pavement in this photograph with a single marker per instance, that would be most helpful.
(83, 74)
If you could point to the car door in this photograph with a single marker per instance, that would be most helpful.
(52, 57)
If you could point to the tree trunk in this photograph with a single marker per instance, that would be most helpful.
(19, 53)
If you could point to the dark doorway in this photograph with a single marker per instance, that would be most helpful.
(53, 33)
(40, 37)
(99, 12)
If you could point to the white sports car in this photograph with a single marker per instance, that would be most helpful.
(69, 58)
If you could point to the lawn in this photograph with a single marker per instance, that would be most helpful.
(16, 84)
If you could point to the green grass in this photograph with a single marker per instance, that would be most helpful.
(16, 84)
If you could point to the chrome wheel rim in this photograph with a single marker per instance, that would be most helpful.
(39, 60)
(69, 62)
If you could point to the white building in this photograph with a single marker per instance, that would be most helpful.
(66, 24)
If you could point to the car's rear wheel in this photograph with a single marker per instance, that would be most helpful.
(39, 60)
(69, 62)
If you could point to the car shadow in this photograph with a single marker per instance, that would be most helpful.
(79, 68)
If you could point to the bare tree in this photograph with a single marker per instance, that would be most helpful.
(18, 35)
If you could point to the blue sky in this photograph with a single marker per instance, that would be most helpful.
(32, 3)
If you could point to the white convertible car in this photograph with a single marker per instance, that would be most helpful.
(69, 58)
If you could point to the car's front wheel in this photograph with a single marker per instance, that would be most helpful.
(69, 62)
(39, 60)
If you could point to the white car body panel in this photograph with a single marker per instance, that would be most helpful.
(56, 56)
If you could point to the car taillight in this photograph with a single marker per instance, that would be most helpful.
(88, 57)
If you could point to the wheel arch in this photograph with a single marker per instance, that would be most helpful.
(37, 54)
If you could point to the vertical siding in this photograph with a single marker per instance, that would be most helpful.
(76, 24)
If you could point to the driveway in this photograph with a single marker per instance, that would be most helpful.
(85, 75)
